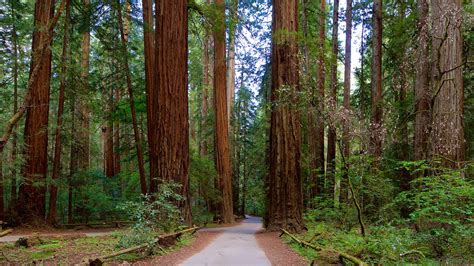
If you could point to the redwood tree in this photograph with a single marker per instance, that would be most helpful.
(284, 193)
(222, 152)
(57, 135)
(149, 44)
(32, 192)
(422, 84)
(171, 91)
(447, 135)
(377, 112)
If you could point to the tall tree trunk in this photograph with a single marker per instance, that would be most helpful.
(346, 102)
(447, 135)
(82, 143)
(319, 126)
(422, 85)
(222, 152)
(377, 101)
(331, 152)
(171, 59)
(57, 136)
(13, 192)
(32, 197)
(136, 132)
(149, 42)
(284, 199)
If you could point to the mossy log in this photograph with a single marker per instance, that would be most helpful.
(342, 255)
(6, 232)
(163, 240)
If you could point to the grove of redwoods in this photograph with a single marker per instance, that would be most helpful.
(248, 107)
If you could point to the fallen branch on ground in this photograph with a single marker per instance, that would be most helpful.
(412, 252)
(164, 240)
(6, 232)
(355, 260)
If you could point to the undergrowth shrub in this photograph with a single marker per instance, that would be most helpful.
(442, 210)
(431, 222)
(152, 215)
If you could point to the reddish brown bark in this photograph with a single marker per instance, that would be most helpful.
(41, 51)
(136, 132)
(222, 152)
(447, 135)
(149, 44)
(331, 150)
(171, 59)
(284, 198)
(422, 85)
(32, 197)
(59, 122)
(377, 101)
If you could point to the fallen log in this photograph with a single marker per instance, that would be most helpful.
(163, 240)
(344, 255)
(6, 232)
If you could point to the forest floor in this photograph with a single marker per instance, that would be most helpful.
(50, 233)
(244, 243)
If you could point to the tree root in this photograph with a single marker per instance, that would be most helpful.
(342, 255)
(163, 240)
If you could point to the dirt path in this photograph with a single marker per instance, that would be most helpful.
(236, 245)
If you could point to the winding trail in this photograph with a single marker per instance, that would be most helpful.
(236, 245)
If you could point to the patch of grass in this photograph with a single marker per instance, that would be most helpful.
(50, 247)
(39, 255)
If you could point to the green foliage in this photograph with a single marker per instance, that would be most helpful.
(95, 196)
(203, 175)
(152, 214)
(442, 208)
(439, 226)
